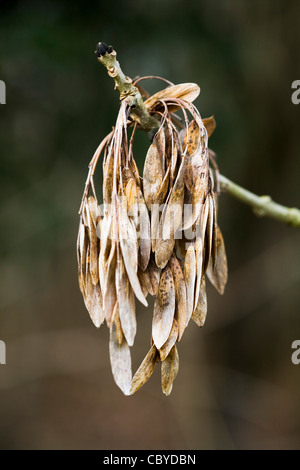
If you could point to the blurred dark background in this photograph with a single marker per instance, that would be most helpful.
(237, 387)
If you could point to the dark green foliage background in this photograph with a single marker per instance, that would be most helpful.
(236, 387)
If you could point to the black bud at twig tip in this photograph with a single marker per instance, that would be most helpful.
(101, 49)
(110, 49)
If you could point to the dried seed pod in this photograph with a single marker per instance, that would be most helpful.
(128, 243)
(190, 278)
(155, 218)
(207, 229)
(210, 222)
(144, 235)
(210, 125)
(126, 302)
(162, 192)
(94, 210)
(180, 295)
(199, 313)
(196, 171)
(184, 91)
(156, 209)
(118, 328)
(169, 370)
(153, 174)
(203, 217)
(107, 265)
(93, 301)
(145, 281)
(191, 212)
(214, 248)
(191, 140)
(173, 336)
(200, 186)
(218, 275)
(105, 249)
(120, 357)
(145, 370)
(131, 192)
(199, 265)
(109, 291)
(163, 251)
(172, 215)
(93, 240)
(164, 308)
(82, 242)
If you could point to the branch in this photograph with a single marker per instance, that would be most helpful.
(128, 92)
(263, 206)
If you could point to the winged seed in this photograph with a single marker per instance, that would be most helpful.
(153, 174)
(166, 348)
(145, 370)
(185, 91)
(128, 243)
(164, 308)
(199, 313)
(190, 278)
(218, 275)
(126, 303)
(120, 360)
(169, 371)
(180, 295)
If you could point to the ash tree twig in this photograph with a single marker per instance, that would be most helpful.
(263, 206)
(128, 92)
